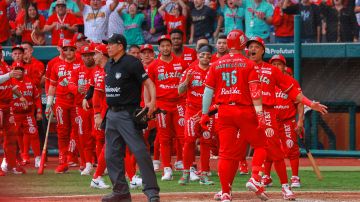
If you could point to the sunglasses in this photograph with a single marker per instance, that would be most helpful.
(68, 49)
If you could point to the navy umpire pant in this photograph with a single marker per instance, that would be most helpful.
(120, 131)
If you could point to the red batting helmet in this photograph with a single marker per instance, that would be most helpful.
(255, 39)
(87, 49)
(236, 40)
(278, 57)
(164, 37)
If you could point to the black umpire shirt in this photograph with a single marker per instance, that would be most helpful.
(123, 81)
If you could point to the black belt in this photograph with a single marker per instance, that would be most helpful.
(118, 108)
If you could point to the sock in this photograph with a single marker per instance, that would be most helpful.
(188, 154)
(267, 167)
(227, 170)
(101, 164)
(294, 163)
(280, 168)
(257, 161)
(35, 144)
(205, 156)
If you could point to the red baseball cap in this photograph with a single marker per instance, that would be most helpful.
(255, 39)
(17, 64)
(78, 36)
(101, 49)
(60, 42)
(164, 37)
(146, 47)
(278, 57)
(17, 47)
(68, 43)
(87, 49)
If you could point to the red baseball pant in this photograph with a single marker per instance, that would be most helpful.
(7, 122)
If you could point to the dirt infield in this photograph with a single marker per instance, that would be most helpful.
(202, 197)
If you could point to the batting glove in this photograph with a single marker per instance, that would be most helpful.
(204, 121)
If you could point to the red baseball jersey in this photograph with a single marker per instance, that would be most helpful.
(30, 92)
(34, 70)
(270, 76)
(96, 73)
(57, 33)
(60, 77)
(189, 55)
(230, 77)
(166, 77)
(99, 100)
(196, 85)
(6, 93)
(49, 67)
(286, 107)
(81, 76)
(214, 58)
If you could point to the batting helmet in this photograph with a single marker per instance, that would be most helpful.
(236, 40)
(255, 39)
(278, 57)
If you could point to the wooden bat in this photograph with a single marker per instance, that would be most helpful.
(312, 161)
(43, 155)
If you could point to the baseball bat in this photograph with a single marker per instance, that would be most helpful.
(312, 161)
(43, 154)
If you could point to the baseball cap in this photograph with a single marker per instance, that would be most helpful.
(87, 49)
(60, 42)
(101, 49)
(17, 47)
(146, 47)
(278, 57)
(116, 38)
(68, 43)
(60, 2)
(78, 36)
(16, 65)
(255, 39)
(164, 37)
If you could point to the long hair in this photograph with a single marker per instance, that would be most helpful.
(27, 6)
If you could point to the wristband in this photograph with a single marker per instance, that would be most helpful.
(50, 100)
(258, 108)
(306, 101)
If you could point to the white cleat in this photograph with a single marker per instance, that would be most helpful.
(4, 165)
(88, 169)
(167, 174)
(156, 164)
(178, 165)
(136, 182)
(37, 161)
(99, 183)
(193, 176)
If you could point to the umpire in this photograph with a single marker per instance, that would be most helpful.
(123, 83)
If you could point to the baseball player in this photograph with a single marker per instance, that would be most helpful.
(270, 77)
(165, 72)
(7, 119)
(289, 128)
(192, 83)
(221, 48)
(236, 88)
(78, 85)
(25, 123)
(64, 106)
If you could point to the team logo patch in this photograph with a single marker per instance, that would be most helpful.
(289, 143)
(181, 122)
(206, 135)
(32, 130)
(269, 132)
(118, 75)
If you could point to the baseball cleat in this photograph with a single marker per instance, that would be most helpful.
(185, 178)
(136, 182)
(99, 183)
(88, 169)
(18, 170)
(62, 168)
(156, 164)
(167, 176)
(193, 176)
(178, 165)
(205, 180)
(37, 161)
(4, 165)
(295, 182)
(266, 181)
(217, 196)
(287, 193)
(257, 188)
(225, 197)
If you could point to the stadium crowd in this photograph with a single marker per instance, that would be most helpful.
(44, 22)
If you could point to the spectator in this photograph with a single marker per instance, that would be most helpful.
(96, 18)
(116, 24)
(132, 22)
(176, 18)
(134, 50)
(30, 25)
(283, 24)
(61, 24)
(233, 15)
(341, 25)
(258, 18)
(311, 21)
(71, 7)
(4, 22)
(154, 24)
(202, 19)
(43, 7)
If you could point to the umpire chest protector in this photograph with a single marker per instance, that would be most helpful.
(123, 81)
